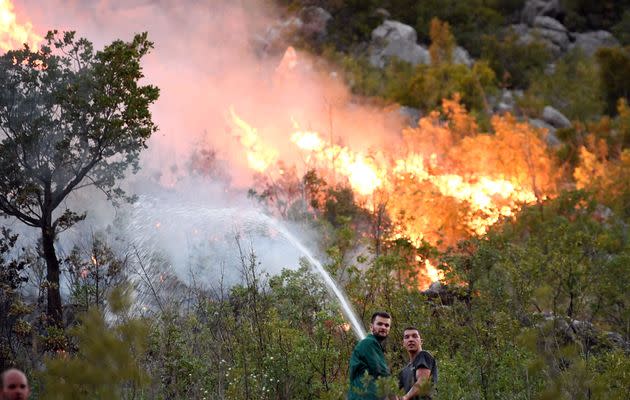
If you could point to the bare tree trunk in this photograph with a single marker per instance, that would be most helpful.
(53, 307)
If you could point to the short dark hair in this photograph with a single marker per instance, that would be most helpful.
(412, 328)
(382, 314)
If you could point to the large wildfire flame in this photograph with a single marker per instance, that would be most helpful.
(14, 35)
(445, 180)
(447, 171)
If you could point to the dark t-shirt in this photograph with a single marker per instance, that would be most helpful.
(407, 376)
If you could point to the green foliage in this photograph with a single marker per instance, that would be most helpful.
(93, 272)
(353, 23)
(106, 365)
(442, 42)
(15, 330)
(573, 88)
(614, 67)
(585, 15)
(431, 84)
(366, 80)
(622, 29)
(422, 86)
(515, 63)
(70, 118)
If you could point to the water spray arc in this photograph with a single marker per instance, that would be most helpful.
(155, 223)
(346, 308)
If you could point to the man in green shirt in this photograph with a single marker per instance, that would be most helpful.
(368, 356)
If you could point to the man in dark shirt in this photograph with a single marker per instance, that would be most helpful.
(368, 357)
(419, 377)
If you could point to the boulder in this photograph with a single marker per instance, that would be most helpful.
(505, 103)
(550, 137)
(315, 22)
(589, 42)
(277, 37)
(584, 333)
(519, 29)
(553, 32)
(555, 118)
(401, 49)
(391, 30)
(461, 56)
(549, 24)
(541, 8)
(393, 39)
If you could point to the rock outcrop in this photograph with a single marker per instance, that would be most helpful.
(541, 8)
(311, 24)
(393, 39)
(589, 42)
(555, 118)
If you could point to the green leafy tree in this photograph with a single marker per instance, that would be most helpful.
(69, 118)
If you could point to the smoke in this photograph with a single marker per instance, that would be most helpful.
(205, 62)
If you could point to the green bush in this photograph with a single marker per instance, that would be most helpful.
(621, 30)
(573, 88)
(431, 84)
(614, 69)
(588, 15)
(513, 62)
(468, 19)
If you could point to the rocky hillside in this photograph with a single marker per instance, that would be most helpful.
(549, 61)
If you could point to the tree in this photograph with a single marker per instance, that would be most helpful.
(69, 118)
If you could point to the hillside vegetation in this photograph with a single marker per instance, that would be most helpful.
(537, 307)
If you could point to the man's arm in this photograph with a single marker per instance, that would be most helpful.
(422, 385)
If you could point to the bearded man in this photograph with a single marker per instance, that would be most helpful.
(367, 362)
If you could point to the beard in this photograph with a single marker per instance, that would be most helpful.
(379, 337)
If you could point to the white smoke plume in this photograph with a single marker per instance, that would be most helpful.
(204, 62)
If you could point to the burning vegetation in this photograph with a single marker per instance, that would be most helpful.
(444, 180)
(540, 301)
(13, 34)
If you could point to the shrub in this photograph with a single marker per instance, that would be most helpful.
(614, 69)
(573, 88)
(514, 62)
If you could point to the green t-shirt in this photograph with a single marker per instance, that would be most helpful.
(367, 356)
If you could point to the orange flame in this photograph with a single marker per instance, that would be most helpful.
(13, 34)
(259, 155)
(449, 181)
(488, 198)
